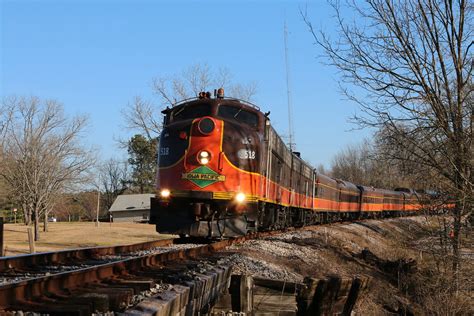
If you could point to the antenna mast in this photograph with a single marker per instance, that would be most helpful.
(288, 92)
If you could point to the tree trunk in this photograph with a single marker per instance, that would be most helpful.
(27, 214)
(45, 221)
(456, 240)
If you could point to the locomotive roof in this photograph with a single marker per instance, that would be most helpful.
(220, 107)
(232, 101)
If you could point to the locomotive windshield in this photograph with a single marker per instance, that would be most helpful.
(191, 111)
(238, 114)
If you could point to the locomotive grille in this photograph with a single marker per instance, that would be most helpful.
(222, 195)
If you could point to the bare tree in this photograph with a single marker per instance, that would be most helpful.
(367, 164)
(145, 116)
(197, 78)
(321, 169)
(413, 59)
(87, 202)
(353, 164)
(243, 91)
(66, 208)
(42, 156)
(3, 194)
(114, 176)
(5, 120)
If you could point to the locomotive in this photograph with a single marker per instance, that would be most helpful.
(223, 171)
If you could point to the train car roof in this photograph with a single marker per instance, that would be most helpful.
(325, 179)
(347, 185)
(405, 190)
(371, 190)
(391, 192)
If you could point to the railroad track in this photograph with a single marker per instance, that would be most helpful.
(165, 276)
(105, 279)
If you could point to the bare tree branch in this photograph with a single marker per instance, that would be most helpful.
(143, 116)
(42, 155)
(414, 61)
(113, 175)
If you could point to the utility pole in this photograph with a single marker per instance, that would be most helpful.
(98, 207)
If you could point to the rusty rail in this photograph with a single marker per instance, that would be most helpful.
(48, 288)
(23, 292)
(50, 258)
(15, 294)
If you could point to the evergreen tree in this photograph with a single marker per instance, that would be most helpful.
(143, 159)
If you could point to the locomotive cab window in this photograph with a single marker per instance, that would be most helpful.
(187, 112)
(238, 114)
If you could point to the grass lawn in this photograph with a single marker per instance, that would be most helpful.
(64, 235)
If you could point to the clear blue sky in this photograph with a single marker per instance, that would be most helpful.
(95, 56)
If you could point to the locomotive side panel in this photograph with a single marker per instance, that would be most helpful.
(306, 187)
(393, 201)
(303, 183)
(290, 179)
(327, 194)
(349, 197)
(279, 170)
(372, 199)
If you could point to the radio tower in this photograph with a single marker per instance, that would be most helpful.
(288, 93)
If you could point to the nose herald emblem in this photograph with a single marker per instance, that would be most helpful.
(203, 176)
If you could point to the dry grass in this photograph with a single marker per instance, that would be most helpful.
(395, 244)
(65, 235)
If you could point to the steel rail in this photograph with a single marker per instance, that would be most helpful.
(54, 257)
(22, 292)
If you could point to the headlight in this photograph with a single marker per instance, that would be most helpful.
(165, 193)
(204, 157)
(240, 197)
(206, 126)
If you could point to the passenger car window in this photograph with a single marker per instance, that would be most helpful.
(191, 111)
(238, 114)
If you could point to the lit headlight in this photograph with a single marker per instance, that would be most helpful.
(240, 197)
(165, 193)
(204, 157)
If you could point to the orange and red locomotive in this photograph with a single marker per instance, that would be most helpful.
(223, 171)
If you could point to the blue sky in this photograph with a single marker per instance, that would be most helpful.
(95, 56)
